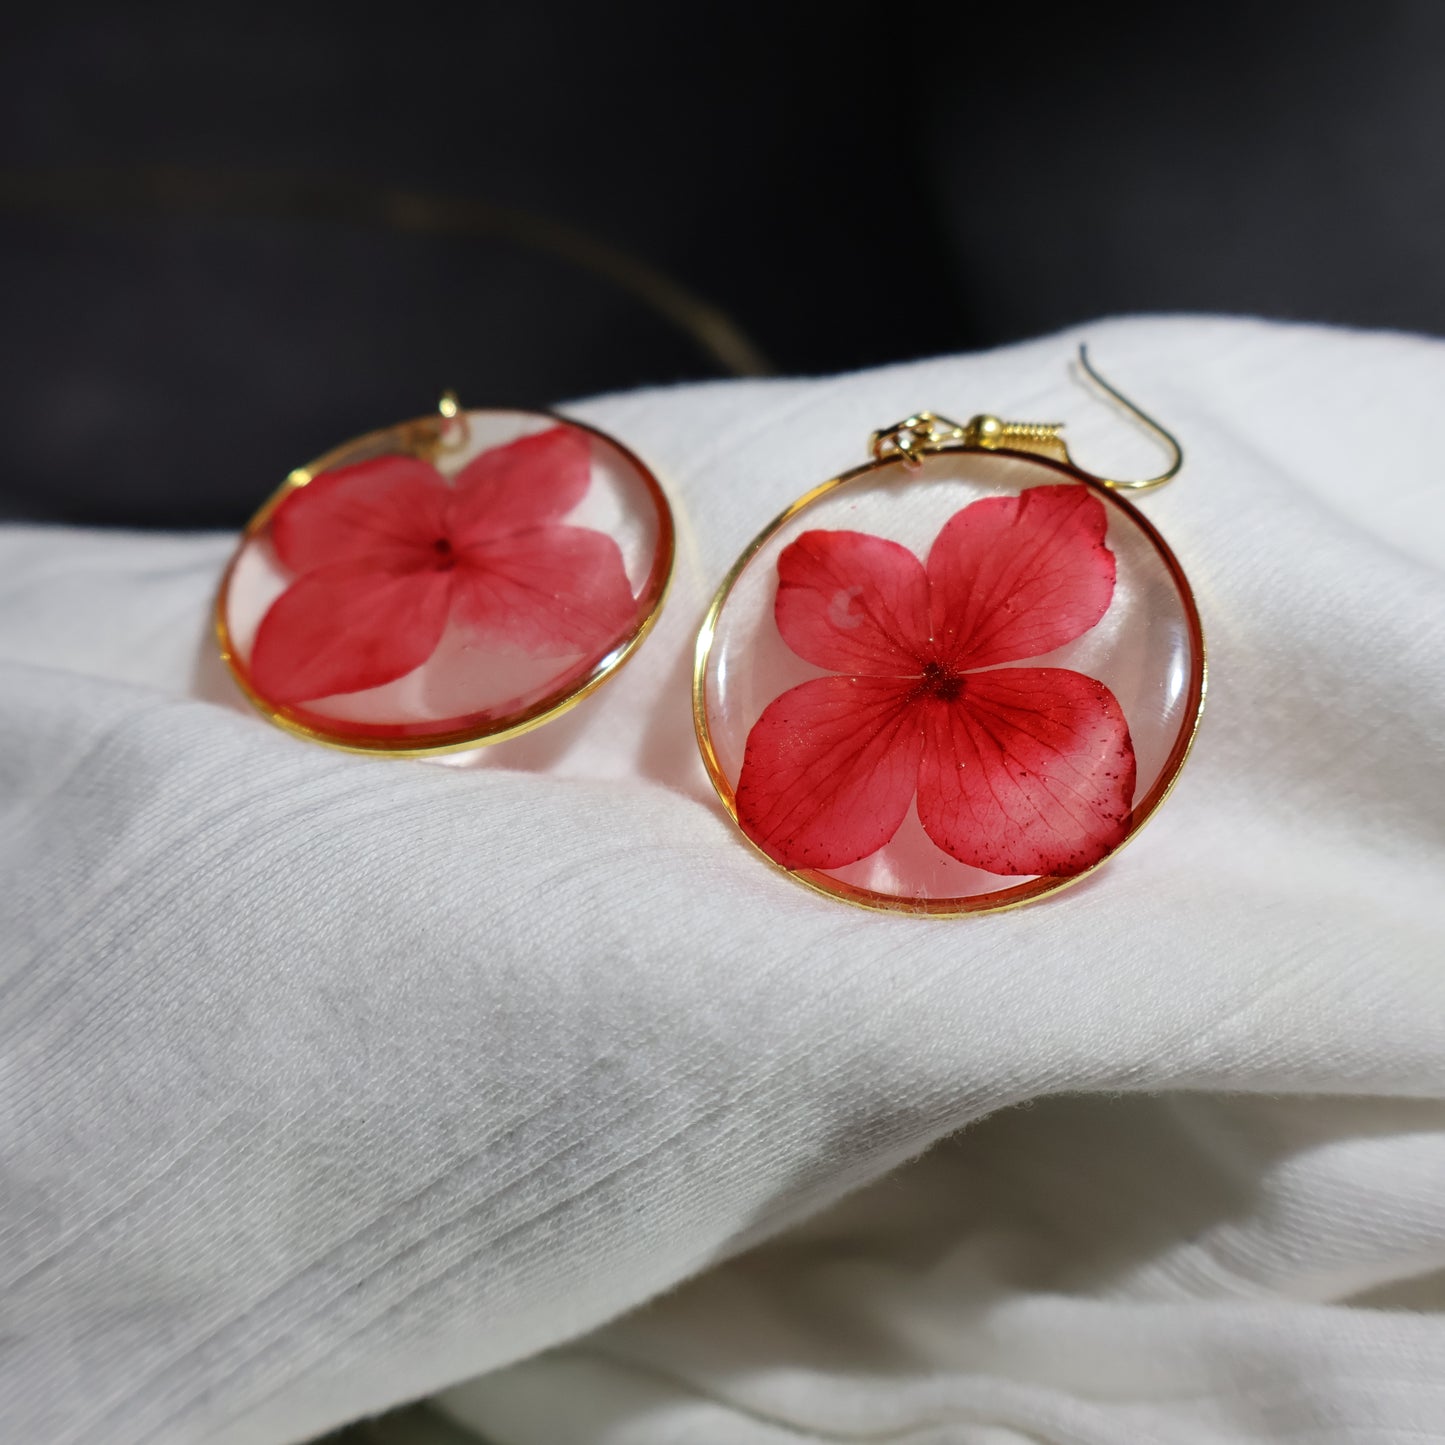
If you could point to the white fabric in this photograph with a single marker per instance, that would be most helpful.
(329, 1082)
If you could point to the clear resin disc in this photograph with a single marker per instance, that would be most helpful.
(447, 582)
(953, 688)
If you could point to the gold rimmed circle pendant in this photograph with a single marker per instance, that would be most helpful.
(955, 679)
(445, 583)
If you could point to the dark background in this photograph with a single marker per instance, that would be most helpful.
(234, 235)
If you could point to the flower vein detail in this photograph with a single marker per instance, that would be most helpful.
(1016, 770)
(387, 553)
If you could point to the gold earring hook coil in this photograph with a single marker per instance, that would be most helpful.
(926, 432)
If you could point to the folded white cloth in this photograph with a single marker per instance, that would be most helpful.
(329, 1082)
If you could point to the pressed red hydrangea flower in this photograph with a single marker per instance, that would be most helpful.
(387, 552)
(1016, 770)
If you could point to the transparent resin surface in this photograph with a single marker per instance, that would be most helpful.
(446, 581)
(953, 688)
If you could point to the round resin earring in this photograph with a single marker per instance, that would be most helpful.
(956, 678)
(445, 583)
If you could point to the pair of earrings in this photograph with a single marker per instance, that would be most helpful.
(951, 680)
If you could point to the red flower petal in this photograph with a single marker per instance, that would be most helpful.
(853, 603)
(527, 483)
(551, 591)
(1030, 770)
(829, 770)
(346, 628)
(1016, 577)
(384, 508)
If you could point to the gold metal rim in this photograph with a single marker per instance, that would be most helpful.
(1005, 898)
(652, 598)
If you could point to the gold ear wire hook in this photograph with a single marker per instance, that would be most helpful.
(911, 439)
(1146, 421)
(456, 431)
